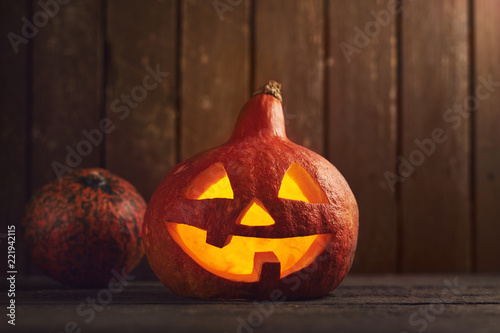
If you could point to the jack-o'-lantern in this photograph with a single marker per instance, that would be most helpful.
(256, 217)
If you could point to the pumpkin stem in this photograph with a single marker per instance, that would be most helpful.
(262, 115)
(272, 88)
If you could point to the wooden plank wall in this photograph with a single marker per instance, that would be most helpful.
(68, 86)
(377, 89)
(14, 123)
(144, 141)
(289, 48)
(362, 86)
(436, 231)
(486, 141)
(215, 72)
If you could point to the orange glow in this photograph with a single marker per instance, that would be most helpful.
(235, 261)
(242, 257)
(298, 184)
(290, 190)
(220, 189)
(210, 184)
(256, 215)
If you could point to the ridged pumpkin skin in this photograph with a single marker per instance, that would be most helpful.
(255, 159)
(80, 228)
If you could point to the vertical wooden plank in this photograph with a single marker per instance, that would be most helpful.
(67, 88)
(289, 48)
(214, 72)
(435, 196)
(487, 148)
(142, 37)
(362, 122)
(13, 124)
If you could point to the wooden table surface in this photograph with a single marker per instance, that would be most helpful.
(368, 303)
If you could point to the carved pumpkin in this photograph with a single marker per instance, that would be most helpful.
(254, 217)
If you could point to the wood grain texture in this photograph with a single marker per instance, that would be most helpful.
(289, 48)
(141, 35)
(487, 148)
(435, 196)
(14, 112)
(362, 124)
(455, 304)
(67, 86)
(215, 72)
(344, 107)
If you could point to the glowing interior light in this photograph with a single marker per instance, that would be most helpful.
(220, 189)
(256, 215)
(298, 184)
(290, 190)
(235, 261)
(242, 257)
(212, 183)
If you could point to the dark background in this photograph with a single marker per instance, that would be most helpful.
(362, 111)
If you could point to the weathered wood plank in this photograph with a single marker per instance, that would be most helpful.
(435, 139)
(214, 70)
(407, 303)
(487, 147)
(67, 89)
(356, 289)
(142, 38)
(362, 122)
(142, 147)
(289, 48)
(14, 106)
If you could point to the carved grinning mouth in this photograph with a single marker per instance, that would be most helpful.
(242, 258)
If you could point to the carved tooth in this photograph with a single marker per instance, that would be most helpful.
(267, 265)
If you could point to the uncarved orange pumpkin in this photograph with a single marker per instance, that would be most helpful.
(258, 217)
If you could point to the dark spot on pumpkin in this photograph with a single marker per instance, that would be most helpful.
(133, 204)
(96, 181)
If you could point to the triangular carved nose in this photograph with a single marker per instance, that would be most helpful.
(255, 215)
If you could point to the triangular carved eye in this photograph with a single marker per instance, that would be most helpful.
(298, 184)
(210, 184)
